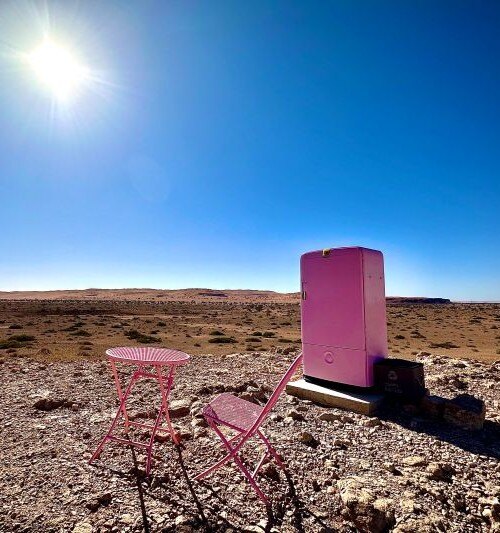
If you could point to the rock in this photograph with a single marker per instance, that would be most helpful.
(182, 524)
(340, 444)
(368, 513)
(126, 519)
(458, 384)
(295, 415)
(459, 503)
(465, 411)
(270, 471)
(440, 471)
(179, 408)
(415, 460)
(430, 523)
(432, 406)
(308, 438)
(391, 467)
(330, 417)
(82, 527)
(199, 423)
(372, 422)
(49, 404)
(407, 506)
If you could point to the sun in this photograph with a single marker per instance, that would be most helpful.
(58, 70)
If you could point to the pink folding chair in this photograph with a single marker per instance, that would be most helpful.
(245, 418)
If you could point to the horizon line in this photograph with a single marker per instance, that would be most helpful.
(226, 290)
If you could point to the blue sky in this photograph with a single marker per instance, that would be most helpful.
(224, 139)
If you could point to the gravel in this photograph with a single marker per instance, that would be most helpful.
(400, 471)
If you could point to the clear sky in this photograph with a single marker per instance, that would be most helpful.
(220, 140)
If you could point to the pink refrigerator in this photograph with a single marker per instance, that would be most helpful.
(344, 328)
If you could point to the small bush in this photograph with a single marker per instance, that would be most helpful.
(5, 344)
(257, 334)
(22, 338)
(216, 332)
(253, 339)
(447, 345)
(268, 334)
(81, 333)
(15, 326)
(135, 335)
(16, 341)
(222, 340)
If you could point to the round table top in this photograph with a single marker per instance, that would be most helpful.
(147, 355)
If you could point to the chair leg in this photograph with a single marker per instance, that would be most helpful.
(271, 450)
(218, 464)
(235, 456)
(260, 463)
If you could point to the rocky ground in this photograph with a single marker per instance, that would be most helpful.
(400, 471)
(76, 329)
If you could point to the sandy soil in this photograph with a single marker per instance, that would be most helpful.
(70, 325)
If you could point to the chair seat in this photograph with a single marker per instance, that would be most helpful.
(232, 411)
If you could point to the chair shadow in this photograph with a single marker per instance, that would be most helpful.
(277, 512)
(206, 518)
(482, 442)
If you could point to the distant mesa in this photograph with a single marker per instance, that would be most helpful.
(416, 300)
(188, 295)
(217, 294)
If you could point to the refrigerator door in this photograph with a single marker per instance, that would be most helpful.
(332, 299)
(339, 365)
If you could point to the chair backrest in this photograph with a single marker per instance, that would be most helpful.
(276, 393)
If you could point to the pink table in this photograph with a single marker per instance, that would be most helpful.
(150, 363)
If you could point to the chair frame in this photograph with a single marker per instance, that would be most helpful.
(246, 435)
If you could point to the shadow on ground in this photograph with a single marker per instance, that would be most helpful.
(483, 442)
(204, 514)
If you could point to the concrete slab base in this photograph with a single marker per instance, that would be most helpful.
(359, 402)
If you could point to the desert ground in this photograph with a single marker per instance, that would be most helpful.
(400, 471)
(71, 325)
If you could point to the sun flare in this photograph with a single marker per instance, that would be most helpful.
(58, 70)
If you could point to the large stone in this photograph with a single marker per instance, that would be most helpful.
(82, 527)
(368, 513)
(415, 460)
(49, 404)
(308, 438)
(441, 471)
(295, 415)
(179, 408)
(433, 406)
(466, 412)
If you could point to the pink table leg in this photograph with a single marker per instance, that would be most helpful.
(121, 409)
(165, 389)
(119, 392)
(163, 411)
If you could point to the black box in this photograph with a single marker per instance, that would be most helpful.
(400, 378)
